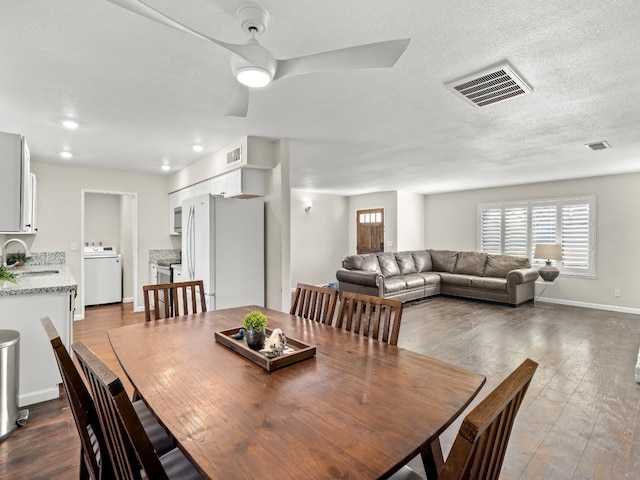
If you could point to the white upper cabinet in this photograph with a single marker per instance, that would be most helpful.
(16, 214)
(203, 188)
(239, 183)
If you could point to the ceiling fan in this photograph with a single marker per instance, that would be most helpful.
(255, 66)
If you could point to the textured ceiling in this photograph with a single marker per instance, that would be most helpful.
(144, 93)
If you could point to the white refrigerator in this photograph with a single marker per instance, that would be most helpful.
(223, 245)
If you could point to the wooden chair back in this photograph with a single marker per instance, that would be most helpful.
(481, 444)
(95, 462)
(314, 303)
(180, 298)
(126, 439)
(370, 316)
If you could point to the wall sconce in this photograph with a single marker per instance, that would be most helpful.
(307, 207)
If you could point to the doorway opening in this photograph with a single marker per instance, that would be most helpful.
(370, 231)
(110, 218)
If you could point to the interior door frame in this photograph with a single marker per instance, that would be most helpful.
(134, 246)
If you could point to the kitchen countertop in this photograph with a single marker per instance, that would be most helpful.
(31, 283)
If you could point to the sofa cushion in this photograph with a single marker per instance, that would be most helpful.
(456, 279)
(422, 260)
(413, 280)
(388, 265)
(490, 283)
(471, 263)
(406, 263)
(500, 265)
(394, 284)
(430, 278)
(443, 260)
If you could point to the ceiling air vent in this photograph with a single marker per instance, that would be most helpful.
(490, 86)
(598, 145)
(234, 156)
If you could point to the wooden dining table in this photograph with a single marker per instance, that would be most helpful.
(358, 409)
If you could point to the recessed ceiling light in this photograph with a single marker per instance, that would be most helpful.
(197, 148)
(166, 168)
(65, 154)
(70, 124)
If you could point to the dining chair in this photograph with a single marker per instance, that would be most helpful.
(183, 298)
(128, 444)
(95, 462)
(370, 316)
(314, 303)
(94, 456)
(480, 446)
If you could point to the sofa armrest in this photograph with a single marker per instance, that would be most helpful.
(359, 277)
(522, 275)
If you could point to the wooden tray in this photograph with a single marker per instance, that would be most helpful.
(302, 350)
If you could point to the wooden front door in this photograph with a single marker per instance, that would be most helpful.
(370, 230)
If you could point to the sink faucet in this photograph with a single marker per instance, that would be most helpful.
(3, 250)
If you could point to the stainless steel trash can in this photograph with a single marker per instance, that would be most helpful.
(9, 380)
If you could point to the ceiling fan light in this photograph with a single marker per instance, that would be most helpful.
(254, 76)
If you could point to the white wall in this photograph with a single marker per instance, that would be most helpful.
(126, 245)
(278, 231)
(59, 197)
(386, 200)
(410, 215)
(102, 219)
(319, 238)
(451, 223)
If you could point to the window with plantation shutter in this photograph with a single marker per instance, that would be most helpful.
(491, 231)
(514, 228)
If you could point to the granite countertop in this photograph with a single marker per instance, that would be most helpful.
(30, 282)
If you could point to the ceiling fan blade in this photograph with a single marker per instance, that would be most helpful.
(239, 102)
(372, 55)
(136, 6)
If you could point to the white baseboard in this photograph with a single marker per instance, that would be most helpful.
(127, 300)
(596, 306)
(30, 398)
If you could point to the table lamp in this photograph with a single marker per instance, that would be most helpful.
(548, 251)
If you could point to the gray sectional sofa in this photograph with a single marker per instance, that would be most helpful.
(423, 273)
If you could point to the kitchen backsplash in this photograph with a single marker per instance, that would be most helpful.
(173, 255)
(46, 258)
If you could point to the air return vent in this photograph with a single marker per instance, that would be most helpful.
(234, 156)
(490, 86)
(598, 145)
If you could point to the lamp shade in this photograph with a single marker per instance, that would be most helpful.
(548, 251)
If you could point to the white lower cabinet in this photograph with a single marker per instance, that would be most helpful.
(39, 375)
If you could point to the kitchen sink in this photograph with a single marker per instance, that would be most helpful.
(37, 273)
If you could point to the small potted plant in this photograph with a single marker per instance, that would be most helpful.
(6, 275)
(254, 324)
(17, 259)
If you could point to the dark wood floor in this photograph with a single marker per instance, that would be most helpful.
(580, 419)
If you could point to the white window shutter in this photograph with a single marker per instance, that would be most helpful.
(516, 230)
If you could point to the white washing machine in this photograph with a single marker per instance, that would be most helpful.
(102, 275)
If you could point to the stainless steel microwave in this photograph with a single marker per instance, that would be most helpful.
(177, 219)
